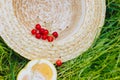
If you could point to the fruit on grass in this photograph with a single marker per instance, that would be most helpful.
(58, 62)
(38, 70)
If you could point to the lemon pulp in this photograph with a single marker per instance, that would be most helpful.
(43, 69)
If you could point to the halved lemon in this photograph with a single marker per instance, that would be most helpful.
(38, 70)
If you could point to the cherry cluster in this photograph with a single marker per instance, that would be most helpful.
(42, 33)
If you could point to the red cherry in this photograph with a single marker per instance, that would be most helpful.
(42, 31)
(55, 34)
(50, 38)
(46, 32)
(33, 31)
(44, 37)
(38, 35)
(38, 26)
(58, 62)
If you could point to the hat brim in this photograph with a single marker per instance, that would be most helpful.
(77, 26)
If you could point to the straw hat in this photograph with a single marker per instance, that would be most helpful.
(78, 22)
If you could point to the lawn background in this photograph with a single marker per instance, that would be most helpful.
(99, 62)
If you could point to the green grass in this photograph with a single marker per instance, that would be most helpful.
(99, 62)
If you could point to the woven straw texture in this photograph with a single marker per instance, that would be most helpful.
(78, 22)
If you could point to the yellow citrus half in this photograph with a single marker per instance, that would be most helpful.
(38, 70)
